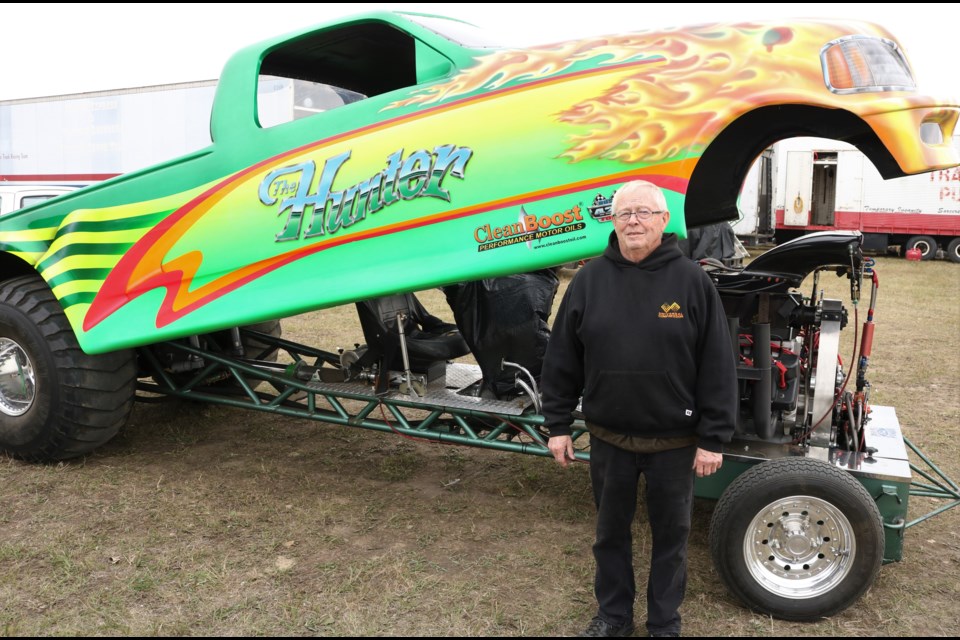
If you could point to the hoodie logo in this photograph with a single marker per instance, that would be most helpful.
(670, 310)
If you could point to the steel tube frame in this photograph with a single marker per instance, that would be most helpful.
(448, 425)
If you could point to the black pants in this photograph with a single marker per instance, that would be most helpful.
(615, 475)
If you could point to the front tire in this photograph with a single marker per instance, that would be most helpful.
(56, 402)
(797, 539)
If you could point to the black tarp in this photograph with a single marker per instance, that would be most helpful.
(716, 241)
(505, 318)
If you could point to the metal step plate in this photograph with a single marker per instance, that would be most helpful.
(442, 392)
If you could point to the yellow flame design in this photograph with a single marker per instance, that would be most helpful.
(708, 75)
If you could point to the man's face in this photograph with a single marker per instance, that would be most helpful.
(639, 237)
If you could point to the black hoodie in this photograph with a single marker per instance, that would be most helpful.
(647, 346)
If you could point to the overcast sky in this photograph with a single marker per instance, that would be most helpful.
(52, 49)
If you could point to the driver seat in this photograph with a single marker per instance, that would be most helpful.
(430, 341)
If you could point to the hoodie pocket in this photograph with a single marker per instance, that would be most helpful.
(637, 401)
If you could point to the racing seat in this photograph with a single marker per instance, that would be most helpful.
(430, 341)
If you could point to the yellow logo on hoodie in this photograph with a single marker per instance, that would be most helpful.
(670, 310)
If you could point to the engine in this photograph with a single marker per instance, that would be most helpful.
(792, 388)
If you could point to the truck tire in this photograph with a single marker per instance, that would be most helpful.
(797, 539)
(953, 250)
(926, 244)
(56, 402)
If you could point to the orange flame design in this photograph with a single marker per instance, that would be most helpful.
(708, 75)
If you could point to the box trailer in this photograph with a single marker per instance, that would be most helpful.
(804, 185)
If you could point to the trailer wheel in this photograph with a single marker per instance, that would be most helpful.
(56, 402)
(926, 244)
(953, 250)
(797, 539)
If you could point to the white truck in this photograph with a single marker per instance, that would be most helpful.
(802, 185)
(13, 197)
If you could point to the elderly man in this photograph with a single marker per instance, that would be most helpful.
(641, 335)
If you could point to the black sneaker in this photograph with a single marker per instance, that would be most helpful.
(664, 634)
(600, 628)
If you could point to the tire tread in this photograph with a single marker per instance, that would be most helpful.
(96, 392)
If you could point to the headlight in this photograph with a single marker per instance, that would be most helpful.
(855, 64)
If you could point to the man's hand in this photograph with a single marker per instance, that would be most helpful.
(706, 463)
(562, 449)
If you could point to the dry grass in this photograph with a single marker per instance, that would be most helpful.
(204, 520)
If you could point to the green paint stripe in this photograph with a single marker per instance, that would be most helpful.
(77, 286)
(77, 298)
(118, 224)
(78, 274)
(26, 247)
(105, 249)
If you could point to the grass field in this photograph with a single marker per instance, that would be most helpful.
(206, 520)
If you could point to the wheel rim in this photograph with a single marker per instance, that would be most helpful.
(799, 547)
(18, 387)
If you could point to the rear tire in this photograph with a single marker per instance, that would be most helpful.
(926, 244)
(56, 402)
(953, 250)
(797, 539)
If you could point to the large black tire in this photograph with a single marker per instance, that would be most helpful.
(953, 250)
(797, 539)
(926, 244)
(56, 402)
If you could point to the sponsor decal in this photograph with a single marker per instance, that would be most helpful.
(602, 208)
(420, 174)
(670, 310)
(529, 228)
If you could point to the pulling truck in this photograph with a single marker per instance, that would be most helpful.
(413, 154)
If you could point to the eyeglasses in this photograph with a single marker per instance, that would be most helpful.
(642, 214)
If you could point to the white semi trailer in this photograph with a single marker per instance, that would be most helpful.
(802, 185)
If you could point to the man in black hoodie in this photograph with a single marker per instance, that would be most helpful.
(641, 335)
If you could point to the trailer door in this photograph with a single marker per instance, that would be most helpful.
(765, 194)
(824, 199)
(798, 188)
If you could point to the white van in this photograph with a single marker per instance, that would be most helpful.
(15, 197)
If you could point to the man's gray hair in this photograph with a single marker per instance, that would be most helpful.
(636, 185)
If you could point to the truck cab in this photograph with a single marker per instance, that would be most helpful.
(15, 197)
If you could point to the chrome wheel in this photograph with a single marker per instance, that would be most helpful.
(18, 387)
(799, 547)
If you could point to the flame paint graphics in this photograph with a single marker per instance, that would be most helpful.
(703, 78)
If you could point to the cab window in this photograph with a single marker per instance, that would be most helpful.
(336, 67)
(29, 201)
